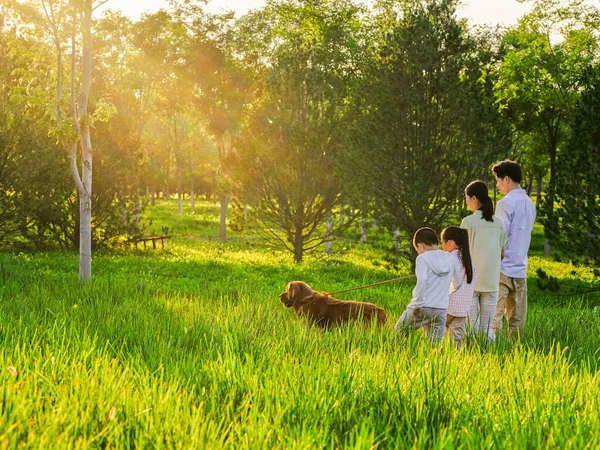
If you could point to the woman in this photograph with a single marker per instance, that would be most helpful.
(487, 241)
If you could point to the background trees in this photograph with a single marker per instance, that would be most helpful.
(287, 110)
(577, 189)
(539, 79)
(288, 147)
(427, 125)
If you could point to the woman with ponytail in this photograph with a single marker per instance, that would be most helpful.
(487, 241)
(455, 241)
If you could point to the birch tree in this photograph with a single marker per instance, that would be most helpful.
(73, 128)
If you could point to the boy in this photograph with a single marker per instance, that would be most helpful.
(517, 212)
(435, 270)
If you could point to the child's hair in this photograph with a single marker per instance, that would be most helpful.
(508, 168)
(425, 236)
(461, 237)
(480, 190)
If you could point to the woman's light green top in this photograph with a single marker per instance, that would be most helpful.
(487, 240)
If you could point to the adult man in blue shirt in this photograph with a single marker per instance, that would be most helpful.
(517, 212)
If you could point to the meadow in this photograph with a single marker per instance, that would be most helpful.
(189, 347)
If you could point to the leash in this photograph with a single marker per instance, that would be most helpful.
(371, 285)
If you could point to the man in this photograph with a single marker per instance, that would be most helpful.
(517, 212)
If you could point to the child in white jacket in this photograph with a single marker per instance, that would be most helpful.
(435, 270)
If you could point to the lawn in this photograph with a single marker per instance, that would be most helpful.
(189, 347)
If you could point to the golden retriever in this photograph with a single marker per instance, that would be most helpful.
(323, 310)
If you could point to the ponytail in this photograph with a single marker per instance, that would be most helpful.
(487, 209)
(465, 253)
(479, 190)
(461, 237)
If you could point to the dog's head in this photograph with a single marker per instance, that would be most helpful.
(294, 293)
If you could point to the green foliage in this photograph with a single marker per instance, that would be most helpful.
(539, 80)
(425, 124)
(284, 165)
(578, 181)
(38, 203)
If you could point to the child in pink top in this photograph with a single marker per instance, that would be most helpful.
(455, 241)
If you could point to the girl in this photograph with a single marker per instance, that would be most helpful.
(487, 241)
(455, 241)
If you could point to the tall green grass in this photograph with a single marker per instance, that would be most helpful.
(190, 348)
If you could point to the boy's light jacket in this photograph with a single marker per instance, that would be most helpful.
(435, 271)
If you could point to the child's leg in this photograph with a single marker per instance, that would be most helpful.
(456, 326)
(436, 321)
(407, 320)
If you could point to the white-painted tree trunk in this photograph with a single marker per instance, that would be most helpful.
(192, 195)
(85, 185)
(363, 230)
(223, 217)
(547, 247)
(328, 238)
(397, 240)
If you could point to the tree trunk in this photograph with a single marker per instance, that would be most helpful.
(223, 217)
(341, 214)
(85, 194)
(363, 230)
(138, 206)
(538, 194)
(396, 240)
(552, 144)
(298, 246)
(192, 196)
(328, 238)
(178, 175)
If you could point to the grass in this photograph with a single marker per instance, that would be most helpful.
(189, 347)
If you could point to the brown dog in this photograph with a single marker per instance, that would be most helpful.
(323, 310)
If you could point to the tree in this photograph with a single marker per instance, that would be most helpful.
(577, 189)
(82, 121)
(426, 124)
(220, 85)
(539, 80)
(72, 129)
(35, 195)
(285, 160)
